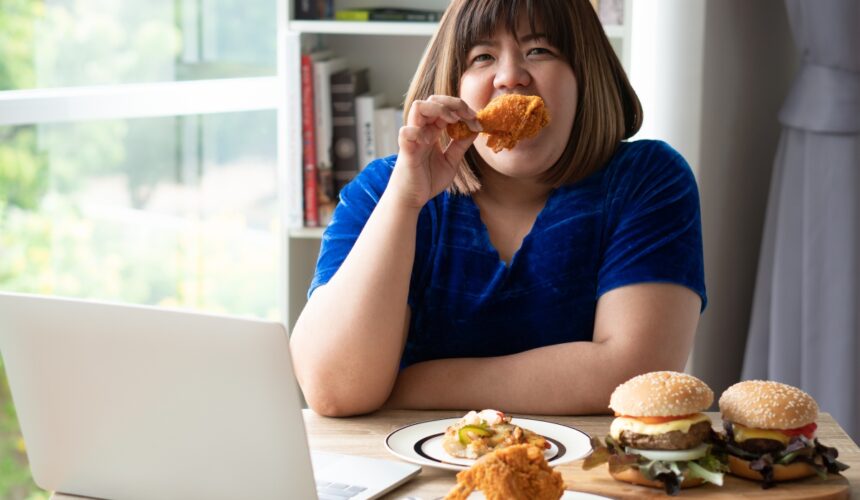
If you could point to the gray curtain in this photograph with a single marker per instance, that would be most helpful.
(805, 324)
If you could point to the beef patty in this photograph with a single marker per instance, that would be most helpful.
(675, 440)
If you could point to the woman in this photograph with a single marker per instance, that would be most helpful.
(532, 280)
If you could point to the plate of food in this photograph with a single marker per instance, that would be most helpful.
(455, 443)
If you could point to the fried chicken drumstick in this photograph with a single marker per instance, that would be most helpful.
(507, 119)
(518, 472)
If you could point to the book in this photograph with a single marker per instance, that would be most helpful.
(345, 85)
(309, 190)
(309, 145)
(313, 9)
(293, 197)
(326, 194)
(365, 107)
(388, 14)
(387, 121)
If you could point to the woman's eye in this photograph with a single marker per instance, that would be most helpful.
(539, 51)
(482, 58)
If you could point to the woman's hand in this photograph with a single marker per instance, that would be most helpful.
(424, 169)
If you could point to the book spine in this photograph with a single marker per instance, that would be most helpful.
(309, 151)
(306, 9)
(352, 15)
(345, 85)
(322, 107)
(326, 193)
(325, 8)
(404, 16)
(313, 9)
(365, 108)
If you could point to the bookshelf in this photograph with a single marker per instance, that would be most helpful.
(392, 51)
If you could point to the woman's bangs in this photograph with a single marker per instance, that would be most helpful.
(480, 19)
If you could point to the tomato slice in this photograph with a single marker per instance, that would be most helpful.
(807, 430)
(657, 420)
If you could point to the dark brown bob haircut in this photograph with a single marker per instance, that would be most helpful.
(608, 109)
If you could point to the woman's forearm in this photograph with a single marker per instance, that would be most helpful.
(638, 328)
(349, 338)
(575, 378)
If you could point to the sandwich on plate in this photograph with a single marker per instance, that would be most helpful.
(770, 433)
(660, 437)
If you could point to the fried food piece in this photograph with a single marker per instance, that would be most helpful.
(507, 119)
(517, 472)
(479, 433)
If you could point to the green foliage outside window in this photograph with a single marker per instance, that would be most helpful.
(22, 184)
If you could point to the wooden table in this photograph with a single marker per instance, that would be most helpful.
(365, 436)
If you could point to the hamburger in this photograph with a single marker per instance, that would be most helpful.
(770, 433)
(660, 437)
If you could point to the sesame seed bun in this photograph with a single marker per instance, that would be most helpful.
(796, 470)
(633, 475)
(661, 394)
(764, 404)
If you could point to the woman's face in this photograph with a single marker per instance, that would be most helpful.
(526, 64)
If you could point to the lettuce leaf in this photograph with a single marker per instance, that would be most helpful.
(821, 458)
(696, 470)
(670, 473)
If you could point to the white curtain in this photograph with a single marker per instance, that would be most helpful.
(805, 324)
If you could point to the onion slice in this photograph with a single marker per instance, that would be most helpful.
(672, 455)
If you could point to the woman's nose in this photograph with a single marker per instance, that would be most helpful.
(511, 73)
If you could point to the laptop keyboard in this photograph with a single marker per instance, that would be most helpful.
(337, 491)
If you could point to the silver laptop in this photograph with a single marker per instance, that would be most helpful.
(131, 402)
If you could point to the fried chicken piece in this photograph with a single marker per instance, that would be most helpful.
(518, 472)
(507, 119)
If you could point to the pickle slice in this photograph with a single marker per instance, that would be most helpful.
(466, 430)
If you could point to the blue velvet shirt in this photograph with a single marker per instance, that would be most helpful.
(635, 220)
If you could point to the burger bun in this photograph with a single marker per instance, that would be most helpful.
(661, 394)
(633, 475)
(797, 470)
(765, 404)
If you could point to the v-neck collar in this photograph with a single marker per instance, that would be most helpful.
(484, 232)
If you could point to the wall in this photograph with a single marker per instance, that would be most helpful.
(749, 60)
(712, 76)
(666, 69)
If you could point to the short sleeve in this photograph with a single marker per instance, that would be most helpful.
(358, 199)
(653, 231)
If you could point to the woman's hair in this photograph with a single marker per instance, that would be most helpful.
(608, 109)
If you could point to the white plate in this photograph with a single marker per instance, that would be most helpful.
(421, 443)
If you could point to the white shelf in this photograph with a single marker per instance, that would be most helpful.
(306, 232)
(363, 27)
(392, 28)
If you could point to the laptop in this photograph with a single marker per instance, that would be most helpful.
(134, 402)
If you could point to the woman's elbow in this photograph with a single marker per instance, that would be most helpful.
(331, 403)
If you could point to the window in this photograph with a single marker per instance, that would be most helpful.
(168, 211)
(140, 158)
(65, 43)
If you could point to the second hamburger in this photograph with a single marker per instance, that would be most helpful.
(770, 433)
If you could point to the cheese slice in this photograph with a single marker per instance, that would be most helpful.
(621, 424)
(744, 433)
